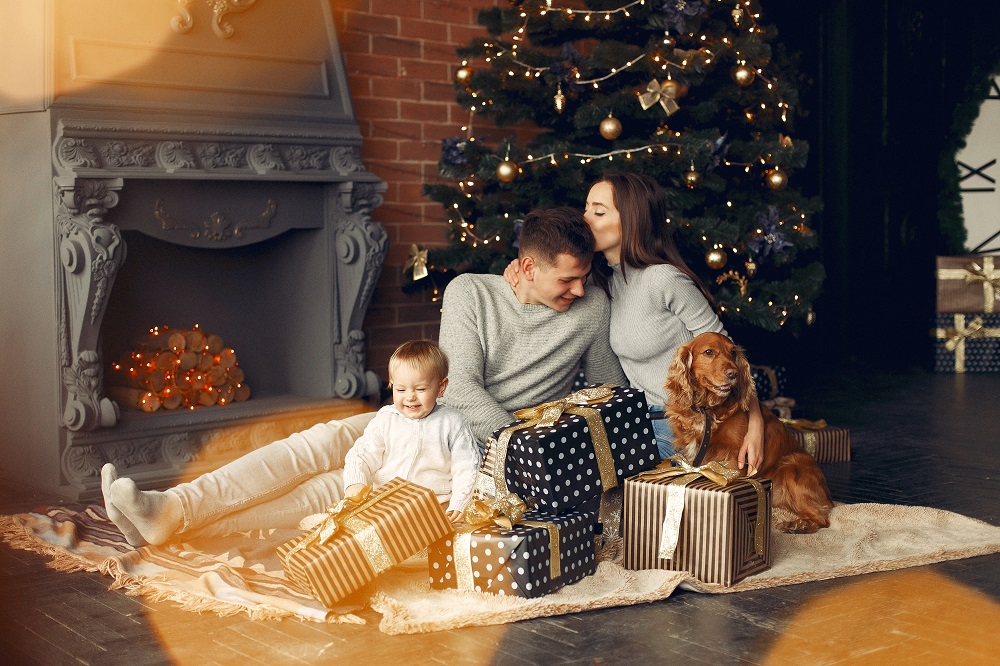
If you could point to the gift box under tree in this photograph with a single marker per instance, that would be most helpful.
(967, 342)
(823, 442)
(538, 555)
(771, 380)
(712, 522)
(362, 537)
(968, 284)
(566, 453)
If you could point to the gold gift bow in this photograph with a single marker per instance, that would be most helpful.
(546, 415)
(955, 336)
(810, 440)
(342, 516)
(972, 273)
(658, 93)
(479, 514)
(418, 260)
(677, 468)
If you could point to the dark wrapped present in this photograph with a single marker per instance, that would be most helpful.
(707, 520)
(363, 536)
(536, 556)
(823, 442)
(771, 380)
(967, 343)
(780, 405)
(566, 453)
(968, 284)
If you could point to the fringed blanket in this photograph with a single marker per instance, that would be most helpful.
(242, 574)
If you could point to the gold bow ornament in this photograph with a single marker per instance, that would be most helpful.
(974, 273)
(505, 515)
(681, 474)
(547, 415)
(418, 261)
(663, 93)
(955, 336)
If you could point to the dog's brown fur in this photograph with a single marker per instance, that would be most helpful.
(711, 374)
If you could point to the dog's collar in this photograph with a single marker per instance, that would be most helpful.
(703, 447)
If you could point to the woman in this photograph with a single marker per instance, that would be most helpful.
(657, 302)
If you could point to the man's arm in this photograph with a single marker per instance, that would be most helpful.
(461, 338)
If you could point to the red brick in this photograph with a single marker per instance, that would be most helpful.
(397, 88)
(360, 84)
(375, 108)
(422, 110)
(356, 42)
(370, 23)
(422, 234)
(452, 11)
(400, 48)
(425, 71)
(463, 35)
(387, 149)
(439, 91)
(426, 30)
(406, 8)
(371, 65)
(423, 312)
(439, 52)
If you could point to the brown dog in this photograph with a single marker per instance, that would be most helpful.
(711, 376)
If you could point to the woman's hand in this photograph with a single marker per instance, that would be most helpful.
(751, 454)
(454, 516)
(353, 489)
(510, 274)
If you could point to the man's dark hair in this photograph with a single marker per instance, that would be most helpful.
(547, 232)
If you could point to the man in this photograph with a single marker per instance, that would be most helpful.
(515, 347)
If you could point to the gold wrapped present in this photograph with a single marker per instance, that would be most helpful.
(823, 442)
(707, 520)
(363, 536)
(968, 284)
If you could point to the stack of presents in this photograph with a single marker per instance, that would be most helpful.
(967, 324)
(554, 486)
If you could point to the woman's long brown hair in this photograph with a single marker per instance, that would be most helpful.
(646, 238)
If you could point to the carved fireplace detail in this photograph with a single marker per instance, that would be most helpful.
(203, 160)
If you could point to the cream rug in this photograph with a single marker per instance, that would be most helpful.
(241, 574)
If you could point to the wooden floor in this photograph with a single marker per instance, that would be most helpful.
(918, 438)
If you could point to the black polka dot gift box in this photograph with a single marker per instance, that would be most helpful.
(771, 380)
(539, 555)
(966, 342)
(565, 453)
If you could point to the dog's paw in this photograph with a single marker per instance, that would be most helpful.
(799, 526)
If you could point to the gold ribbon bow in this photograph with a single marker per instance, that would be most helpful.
(972, 273)
(545, 416)
(955, 337)
(682, 473)
(342, 517)
(804, 425)
(418, 260)
(504, 514)
(662, 93)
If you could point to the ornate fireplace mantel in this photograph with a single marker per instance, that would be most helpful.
(208, 127)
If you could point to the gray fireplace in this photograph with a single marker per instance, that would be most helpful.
(177, 164)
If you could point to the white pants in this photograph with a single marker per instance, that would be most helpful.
(274, 486)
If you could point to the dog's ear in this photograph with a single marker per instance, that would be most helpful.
(746, 389)
(678, 384)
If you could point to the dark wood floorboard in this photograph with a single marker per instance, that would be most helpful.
(917, 438)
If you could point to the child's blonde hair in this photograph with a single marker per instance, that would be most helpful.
(424, 355)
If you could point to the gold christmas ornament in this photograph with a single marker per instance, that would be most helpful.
(417, 261)
(692, 178)
(506, 171)
(463, 75)
(611, 127)
(664, 94)
(751, 267)
(776, 179)
(715, 258)
(810, 318)
(743, 75)
(559, 100)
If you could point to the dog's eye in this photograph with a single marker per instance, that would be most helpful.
(709, 352)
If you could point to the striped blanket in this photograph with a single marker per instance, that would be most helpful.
(242, 573)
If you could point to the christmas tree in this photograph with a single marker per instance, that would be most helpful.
(691, 92)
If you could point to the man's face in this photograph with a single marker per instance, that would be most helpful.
(557, 285)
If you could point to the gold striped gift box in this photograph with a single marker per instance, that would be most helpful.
(398, 521)
(718, 540)
(829, 444)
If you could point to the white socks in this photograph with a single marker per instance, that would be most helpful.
(108, 476)
(154, 515)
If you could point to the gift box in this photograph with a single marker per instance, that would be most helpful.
(360, 539)
(538, 555)
(565, 453)
(968, 284)
(771, 380)
(967, 342)
(692, 522)
(780, 405)
(823, 442)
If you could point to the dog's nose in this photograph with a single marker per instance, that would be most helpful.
(731, 373)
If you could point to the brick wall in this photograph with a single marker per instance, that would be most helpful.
(400, 61)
